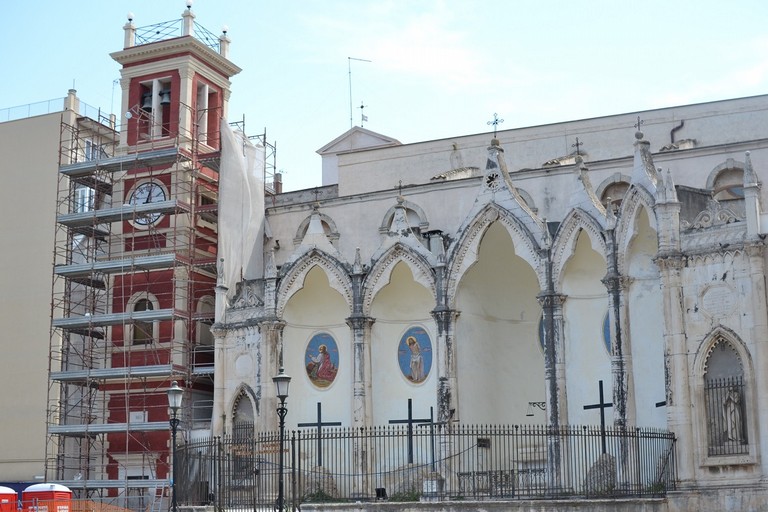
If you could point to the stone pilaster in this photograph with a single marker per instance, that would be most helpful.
(759, 339)
(676, 368)
(219, 415)
(271, 330)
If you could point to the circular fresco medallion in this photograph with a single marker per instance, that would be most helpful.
(321, 359)
(414, 354)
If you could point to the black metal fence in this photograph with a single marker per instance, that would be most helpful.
(427, 463)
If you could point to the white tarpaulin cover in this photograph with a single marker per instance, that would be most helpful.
(241, 208)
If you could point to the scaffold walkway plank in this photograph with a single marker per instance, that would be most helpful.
(127, 372)
(123, 162)
(116, 266)
(92, 429)
(120, 213)
(81, 322)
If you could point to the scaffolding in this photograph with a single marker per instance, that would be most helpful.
(133, 297)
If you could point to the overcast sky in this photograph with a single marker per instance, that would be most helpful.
(437, 68)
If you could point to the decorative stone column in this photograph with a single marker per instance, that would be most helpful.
(621, 364)
(554, 375)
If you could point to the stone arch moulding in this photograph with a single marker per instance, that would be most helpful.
(616, 177)
(636, 201)
(294, 277)
(701, 419)
(463, 253)
(409, 206)
(728, 165)
(333, 234)
(242, 391)
(381, 272)
(708, 344)
(128, 333)
(564, 244)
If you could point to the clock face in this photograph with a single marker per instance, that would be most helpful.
(147, 192)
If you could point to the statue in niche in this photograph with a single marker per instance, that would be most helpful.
(732, 415)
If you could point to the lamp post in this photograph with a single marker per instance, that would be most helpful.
(281, 381)
(175, 394)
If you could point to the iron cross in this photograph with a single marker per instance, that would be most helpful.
(602, 405)
(496, 122)
(410, 421)
(576, 145)
(319, 425)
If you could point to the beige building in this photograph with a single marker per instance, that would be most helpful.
(30, 137)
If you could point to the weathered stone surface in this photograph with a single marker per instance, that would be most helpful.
(601, 477)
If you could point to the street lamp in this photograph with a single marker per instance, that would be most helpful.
(281, 381)
(175, 393)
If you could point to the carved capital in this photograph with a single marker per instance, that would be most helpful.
(271, 325)
(358, 323)
(551, 299)
(670, 262)
(445, 318)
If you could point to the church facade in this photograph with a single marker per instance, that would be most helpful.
(501, 279)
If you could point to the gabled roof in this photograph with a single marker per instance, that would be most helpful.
(357, 138)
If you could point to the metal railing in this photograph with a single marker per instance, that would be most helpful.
(427, 463)
(725, 416)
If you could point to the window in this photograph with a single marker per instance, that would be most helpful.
(143, 332)
(85, 198)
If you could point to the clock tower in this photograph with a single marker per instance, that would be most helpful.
(147, 260)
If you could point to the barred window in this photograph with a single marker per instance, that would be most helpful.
(724, 394)
(725, 415)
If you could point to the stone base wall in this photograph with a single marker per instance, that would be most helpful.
(724, 499)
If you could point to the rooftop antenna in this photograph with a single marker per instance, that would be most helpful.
(349, 68)
(363, 117)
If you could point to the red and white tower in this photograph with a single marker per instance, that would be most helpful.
(135, 268)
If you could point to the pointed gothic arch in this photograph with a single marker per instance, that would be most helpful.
(381, 271)
(293, 279)
(243, 410)
(637, 202)
(723, 395)
(463, 253)
(564, 244)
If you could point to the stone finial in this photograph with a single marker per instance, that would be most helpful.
(750, 179)
(188, 20)
(130, 32)
(357, 266)
(224, 42)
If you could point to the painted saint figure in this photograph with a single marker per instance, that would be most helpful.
(320, 366)
(732, 415)
(417, 361)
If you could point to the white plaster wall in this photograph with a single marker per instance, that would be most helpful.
(587, 360)
(400, 305)
(499, 358)
(317, 308)
(646, 326)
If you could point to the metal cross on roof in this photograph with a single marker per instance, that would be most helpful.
(639, 123)
(576, 145)
(496, 122)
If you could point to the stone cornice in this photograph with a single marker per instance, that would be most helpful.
(136, 54)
